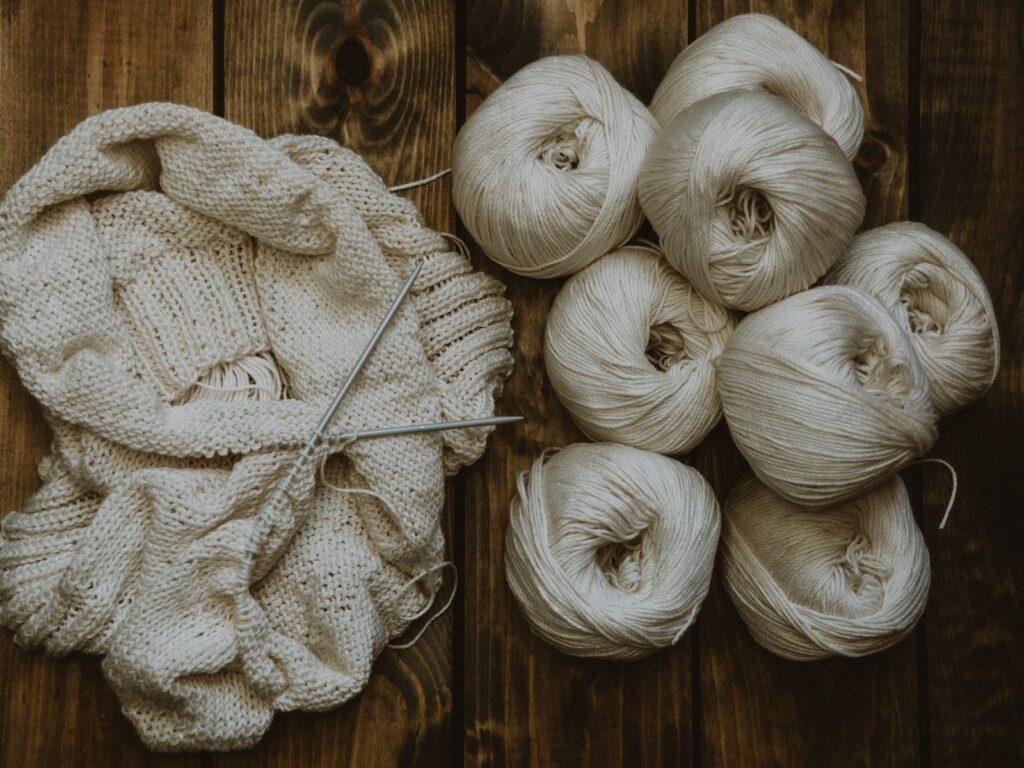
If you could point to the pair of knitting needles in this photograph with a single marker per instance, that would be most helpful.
(406, 429)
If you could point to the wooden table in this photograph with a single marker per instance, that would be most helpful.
(944, 89)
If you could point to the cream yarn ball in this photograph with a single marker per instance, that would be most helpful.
(630, 349)
(757, 51)
(609, 549)
(937, 296)
(544, 172)
(753, 201)
(824, 395)
(849, 581)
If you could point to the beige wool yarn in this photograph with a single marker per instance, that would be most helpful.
(755, 51)
(609, 549)
(752, 201)
(544, 172)
(937, 296)
(629, 349)
(848, 581)
(824, 395)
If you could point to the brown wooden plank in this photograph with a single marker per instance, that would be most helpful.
(968, 183)
(59, 63)
(756, 708)
(525, 703)
(377, 76)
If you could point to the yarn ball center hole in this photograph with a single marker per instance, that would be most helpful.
(666, 347)
(562, 150)
(926, 303)
(749, 213)
(863, 573)
(621, 562)
(879, 374)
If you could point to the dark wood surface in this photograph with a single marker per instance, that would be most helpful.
(393, 79)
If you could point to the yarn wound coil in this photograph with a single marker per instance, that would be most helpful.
(824, 395)
(847, 581)
(544, 172)
(937, 297)
(609, 549)
(184, 299)
(630, 349)
(755, 51)
(752, 201)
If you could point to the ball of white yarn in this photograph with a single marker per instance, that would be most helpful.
(753, 201)
(824, 395)
(937, 297)
(544, 172)
(849, 581)
(609, 549)
(757, 51)
(630, 350)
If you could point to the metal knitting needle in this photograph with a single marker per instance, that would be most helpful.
(416, 429)
(370, 345)
(307, 451)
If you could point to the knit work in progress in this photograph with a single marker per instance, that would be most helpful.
(753, 202)
(824, 395)
(544, 172)
(846, 581)
(609, 549)
(755, 51)
(630, 350)
(937, 297)
(184, 299)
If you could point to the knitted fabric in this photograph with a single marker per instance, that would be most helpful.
(153, 252)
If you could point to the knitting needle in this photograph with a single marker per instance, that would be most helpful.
(347, 385)
(307, 451)
(282, 491)
(416, 429)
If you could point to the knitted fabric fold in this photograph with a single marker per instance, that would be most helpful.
(157, 251)
(465, 321)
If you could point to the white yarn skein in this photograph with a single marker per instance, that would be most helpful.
(629, 349)
(824, 395)
(753, 201)
(609, 549)
(850, 581)
(544, 172)
(937, 297)
(754, 51)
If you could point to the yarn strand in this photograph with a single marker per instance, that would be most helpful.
(444, 608)
(420, 182)
(403, 531)
(848, 72)
(953, 475)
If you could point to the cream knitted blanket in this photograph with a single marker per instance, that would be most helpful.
(153, 254)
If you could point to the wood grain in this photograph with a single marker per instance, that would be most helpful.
(759, 709)
(969, 185)
(525, 703)
(377, 76)
(59, 63)
(944, 96)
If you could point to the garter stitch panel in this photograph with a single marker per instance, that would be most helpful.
(151, 540)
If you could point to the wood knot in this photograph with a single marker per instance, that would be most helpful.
(875, 153)
(352, 63)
